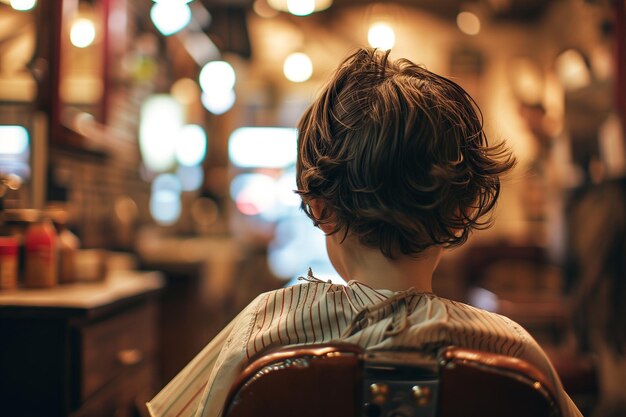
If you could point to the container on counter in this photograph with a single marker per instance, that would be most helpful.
(16, 223)
(41, 254)
(9, 255)
(68, 246)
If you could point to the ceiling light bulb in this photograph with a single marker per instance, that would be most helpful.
(381, 35)
(298, 67)
(191, 146)
(161, 120)
(301, 7)
(217, 76)
(218, 102)
(23, 5)
(170, 16)
(83, 33)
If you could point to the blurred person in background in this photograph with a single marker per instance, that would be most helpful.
(599, 246)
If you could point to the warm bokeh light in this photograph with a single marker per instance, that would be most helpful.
(83, 33)
(218, 102)
(263, 147)
(527, 80)
(572, 70)
(468, 23)
(170, 16)
(298, 67)
(81, 89)
(23, 5)
(185, 90)
(13, 140)
(301, 7)
(160, 124)
(381, 35)
(191, 145)
(217, 76)
(263, 9)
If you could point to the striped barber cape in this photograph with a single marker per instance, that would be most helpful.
(318, 312)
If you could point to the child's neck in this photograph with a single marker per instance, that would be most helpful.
(371, 267)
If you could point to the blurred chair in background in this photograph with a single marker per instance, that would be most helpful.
(522, 283)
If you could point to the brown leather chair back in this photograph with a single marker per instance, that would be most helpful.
(480, 384)
(341, 380)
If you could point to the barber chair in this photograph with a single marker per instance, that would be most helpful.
(341, 380)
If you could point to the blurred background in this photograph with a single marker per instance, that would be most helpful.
(159, 135)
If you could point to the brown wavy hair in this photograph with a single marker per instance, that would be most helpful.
(398, 156)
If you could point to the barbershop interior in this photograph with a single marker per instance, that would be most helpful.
(148, 156)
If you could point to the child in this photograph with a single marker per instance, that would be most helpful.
(394, 167)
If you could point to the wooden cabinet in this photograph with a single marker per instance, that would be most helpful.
(80, 350)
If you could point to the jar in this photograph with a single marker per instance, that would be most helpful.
(9, 246)
(41, 255)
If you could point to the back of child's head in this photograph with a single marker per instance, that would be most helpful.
(398, 157)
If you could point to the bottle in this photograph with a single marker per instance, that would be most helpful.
(16, 223)
(68, 245)
(41, 255)
(8, 262)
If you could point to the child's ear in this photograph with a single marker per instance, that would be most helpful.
(318, 210)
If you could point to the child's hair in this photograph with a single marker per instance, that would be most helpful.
(398, 156)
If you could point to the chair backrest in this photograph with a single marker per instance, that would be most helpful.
(341, 380)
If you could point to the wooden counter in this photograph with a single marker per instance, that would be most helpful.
(80, 350)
